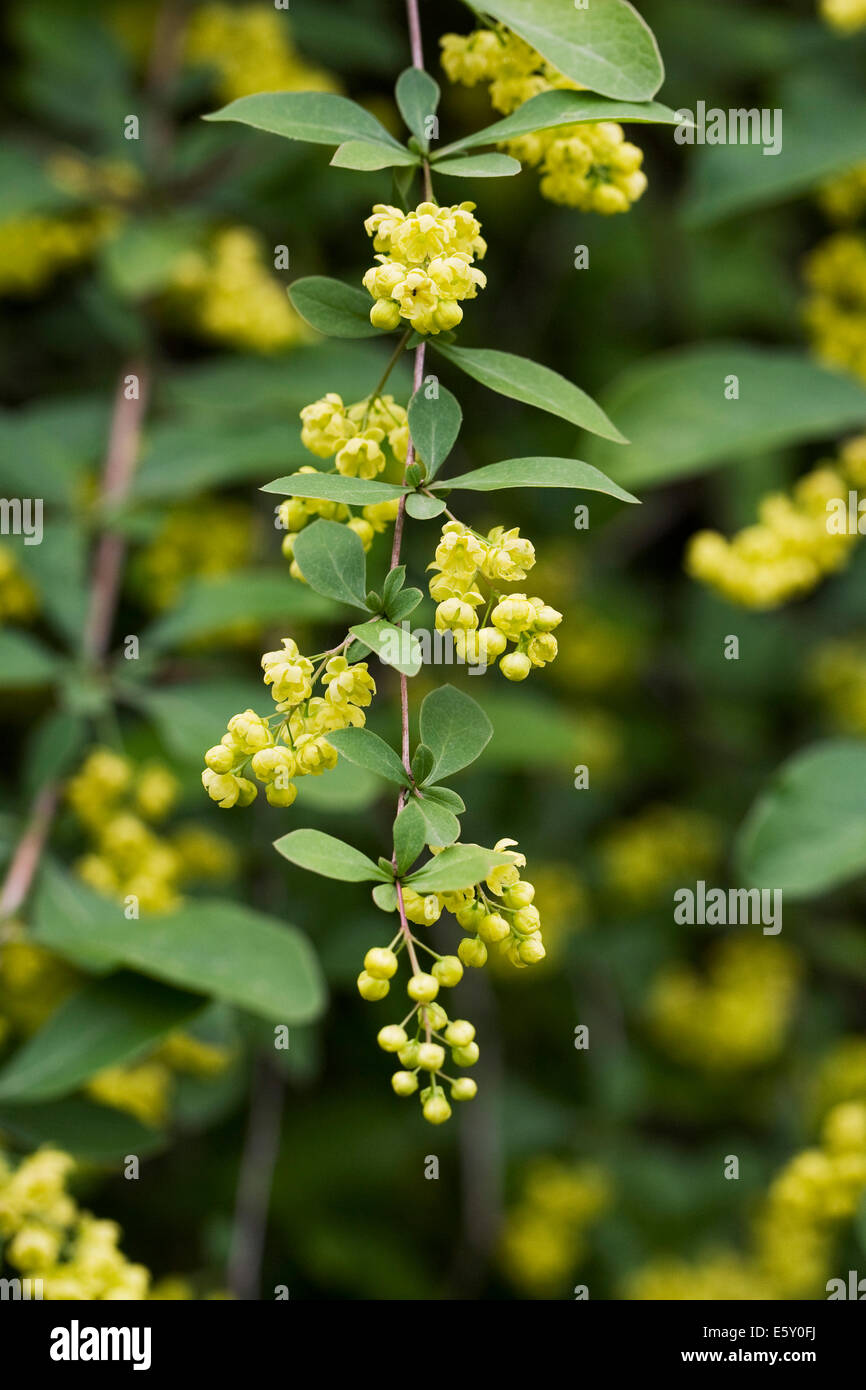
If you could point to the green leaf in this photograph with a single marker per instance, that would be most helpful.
(443, 827)
(323, 854)
(182, 460)
(479, 166)
(606, 46)
(207, 607)
(674, 409)
(405, 603)
(333, 487)
(57, 570)
(331, 559)
(83, 1128)
(346, 788)
(107, 1023)
(423, 508)
(434, 426)
(530, 382)
(422, 763)
(385, 897)
(418, 97)
(533, 731)
(550, 109)
(394, 581)
(454, 728)
(365, 154)
(806, 833)
(53, 748)
(444, 796)
(212, 946)
(320, 118)
(141, 258)
(368, 750)
(24, 661)
(537, 472)
(410, 836)
(394, 646)
(340, 311)
(191, 716)
(458, 866)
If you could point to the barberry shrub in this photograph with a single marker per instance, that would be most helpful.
(423, 281)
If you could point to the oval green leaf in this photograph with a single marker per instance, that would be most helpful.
(524, 380)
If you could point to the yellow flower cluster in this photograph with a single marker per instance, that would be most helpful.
(589, 166)
(203, 539)
(46, 1236)
(814, 1194)
(500, 912)
(18, 601)
(251, 49)
(113, 799)
(33, 982)
(793, 1236)
(845, 15)
(463, 558)
(94, 179)
(353, 435)
(298, 746)
(127, 857)
(720, 1275)
(663, 845)
(36, 247)
(425, 265)
(144, 1089)
(843, 198)
(838, 677)
(840, 1077)
(785, 554)
(566, 908)
(543, 1238)
(365, 439)
(835, 310)
(737, 1017)
(228, 294)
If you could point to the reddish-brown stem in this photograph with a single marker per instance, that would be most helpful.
(417, 49)
(415, 43)
(261, 1149)
(404, 721)
(121, 458)
(28, 852)
(404, 927)
(417, 379)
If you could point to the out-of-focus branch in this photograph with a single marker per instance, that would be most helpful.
(252, 1202)
(121, 459)
(28, 852)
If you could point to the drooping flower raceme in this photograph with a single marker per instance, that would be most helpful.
(297, 745)
(466, 563)
(498, 912)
